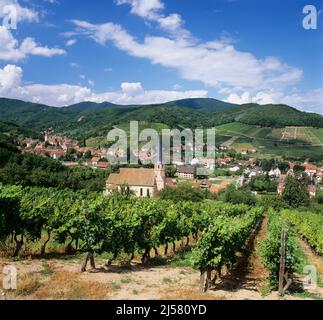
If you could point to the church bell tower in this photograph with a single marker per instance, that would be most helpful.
(160, 174)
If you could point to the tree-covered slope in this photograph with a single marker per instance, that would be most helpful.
(206, 104)
(89, 119)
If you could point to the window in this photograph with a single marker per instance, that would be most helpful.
(148, 193)
(141, 192)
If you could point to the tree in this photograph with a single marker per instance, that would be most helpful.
(234, 196)
(296, 193)
(170, 171)
(263, 184)
(184, 192)
(298, 169)
(267, 165)
(283, 166)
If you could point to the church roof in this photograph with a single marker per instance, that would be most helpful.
(133, 177)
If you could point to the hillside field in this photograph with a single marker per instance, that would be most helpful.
(294, 142)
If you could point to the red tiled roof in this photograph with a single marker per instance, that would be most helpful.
(103, 165)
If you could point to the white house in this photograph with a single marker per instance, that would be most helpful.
(275, 173)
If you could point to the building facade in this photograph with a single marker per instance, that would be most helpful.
(144, 183)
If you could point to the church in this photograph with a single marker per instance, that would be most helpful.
(145, 183)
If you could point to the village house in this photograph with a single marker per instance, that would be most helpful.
(310, 169)
(145, 183)
(70, 164)
(103, 165)
(203, 185)
(186, 172)
(252, 150)
(204, 162)
(56, 154)
(223, 161)
(256, 172)
(94, 161)
(29, 143)
(86, 150)
(275, 173)
(234, 168)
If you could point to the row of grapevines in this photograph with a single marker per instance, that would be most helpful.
(225, 236)
(270, 248)
(89, 222)
(309, 225)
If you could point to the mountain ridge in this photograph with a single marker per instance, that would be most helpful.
(88, 119)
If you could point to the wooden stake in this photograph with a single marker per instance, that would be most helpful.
(282, 261)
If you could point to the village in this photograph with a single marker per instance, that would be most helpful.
(147, 180)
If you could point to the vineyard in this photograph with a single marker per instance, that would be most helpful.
(37, 222)
(308, 225)
(118, 224)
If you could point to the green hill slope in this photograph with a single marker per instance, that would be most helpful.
(89, 119)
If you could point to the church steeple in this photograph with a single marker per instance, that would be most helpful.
(159, 167)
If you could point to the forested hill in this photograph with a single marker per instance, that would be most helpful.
(92, 119)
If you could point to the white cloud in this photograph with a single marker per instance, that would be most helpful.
(151, 10)
(131, 89)
(30, 47)
(240, 75)
(10, 77)
(74, 65)
(311, 101)
(11, 50)
(71, 42)
(145, 8)
(12, 86)
(217, 63)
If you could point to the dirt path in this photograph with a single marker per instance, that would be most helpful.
(316, 261)
(249, 274)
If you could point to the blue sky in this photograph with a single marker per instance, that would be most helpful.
(152, 51)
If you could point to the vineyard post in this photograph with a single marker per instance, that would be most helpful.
(282, 261)
(205, 279)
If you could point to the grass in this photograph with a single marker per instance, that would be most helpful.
(69, 286)
(167, 280)
(306, 295)
(302, 258)
(28, 285)
(264, 288)
(46, 270)
(126, 280)
(182, 259)
(115, 285)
